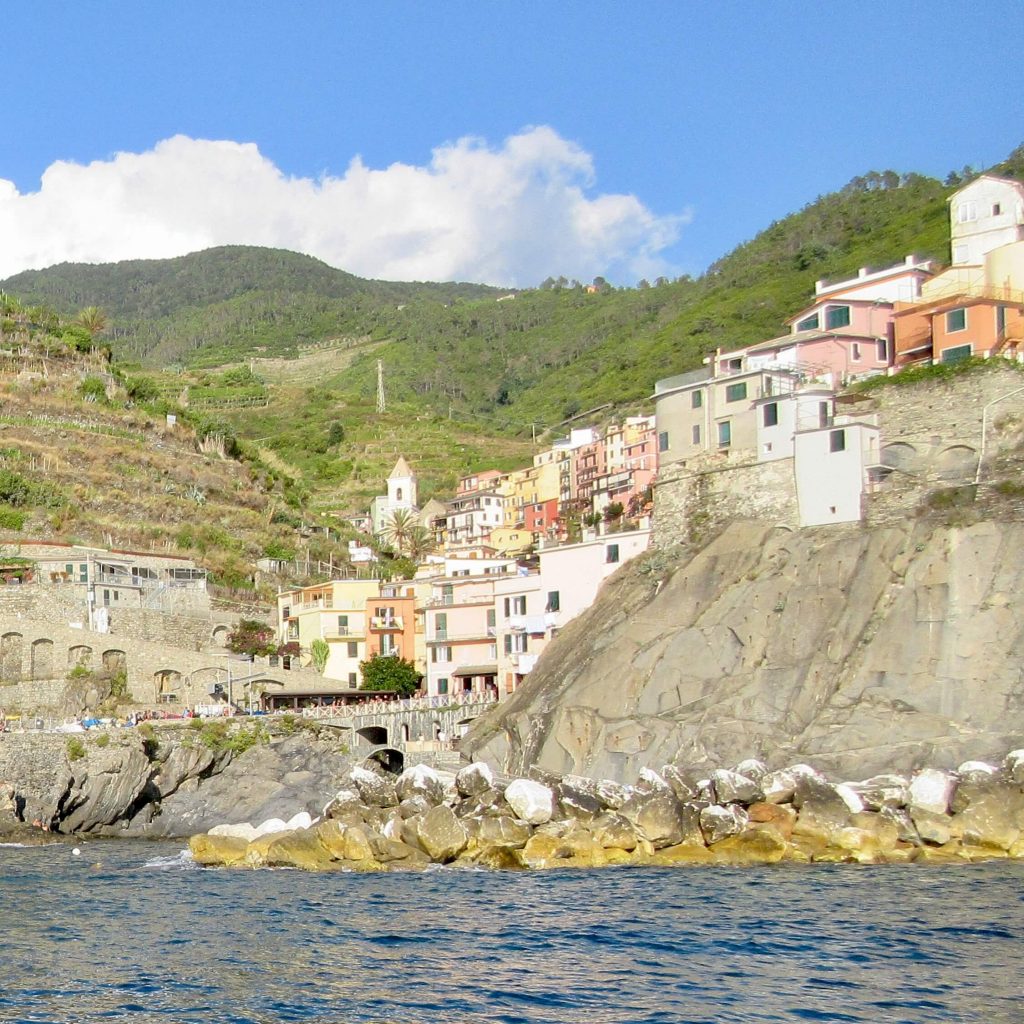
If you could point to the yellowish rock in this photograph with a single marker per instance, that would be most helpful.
(331, 834)
(300, 849)
(759, 846)
(217, 851)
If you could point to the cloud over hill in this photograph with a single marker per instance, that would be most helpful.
(509, 214)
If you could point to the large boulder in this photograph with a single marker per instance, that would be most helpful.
(374, 789)
(578, 800)
(474, 779)
(733, 788)
(531, 801)
(990, 814)
(182, 763)
(882, 791)
(661, 819)
(441, 834)
(931, 790)
(823, 810)
(718, 822)
(218, 851)
(105, 785)
(614, 832)
(420, 780)
(503, 831)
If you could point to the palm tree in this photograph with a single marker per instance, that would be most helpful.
(421, 542)
(398, 529)
(93, 319)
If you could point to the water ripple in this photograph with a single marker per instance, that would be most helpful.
(135, 932)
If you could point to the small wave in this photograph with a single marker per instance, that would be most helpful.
(181, 861)
(15, 846)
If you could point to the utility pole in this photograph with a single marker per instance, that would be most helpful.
(381, 404)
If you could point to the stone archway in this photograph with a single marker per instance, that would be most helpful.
(79, 656)
(42, 659)
(11, 655)
(375, 735)
(219, 636)
(391, 760)
(168, 685)
(114, 662)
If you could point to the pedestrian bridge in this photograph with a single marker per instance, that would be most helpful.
(416, 725)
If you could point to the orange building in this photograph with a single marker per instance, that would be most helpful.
(391, 624)
(978, 323)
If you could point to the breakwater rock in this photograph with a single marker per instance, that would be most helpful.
(743, 815)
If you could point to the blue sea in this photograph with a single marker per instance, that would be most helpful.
(132, 931)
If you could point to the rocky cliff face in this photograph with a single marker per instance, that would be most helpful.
(857, 650)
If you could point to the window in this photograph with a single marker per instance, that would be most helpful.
(553, 601)
(516, 643)
(353, 679)
(442, 684)
(956, 354)
(663, 441)
(286, 612)
(696, 399)
(353, 649)
(491, 618)
(855, 351)
(724, 434)
(810, 323)
(837, 316)
(441, 626)
(387, 644)
(837, 441)
(735, 364)
(695, 433)
(996, 209)
(1000, 321)
(960, 252)
(519, 605)
(611, 553)
(966, 212)
(824, 414)
(770, 414)
(441, 654)
(69, 571)
(398, 493)
(956, 320)
(736, 392)
(342, 625)
(883, 350)
(508, 643)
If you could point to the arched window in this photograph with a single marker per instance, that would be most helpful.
(398, 494)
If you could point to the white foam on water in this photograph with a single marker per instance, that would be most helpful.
(181, 861)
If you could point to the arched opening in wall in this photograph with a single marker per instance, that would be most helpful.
(391, 760)
(79, 656)
(220, 636)
(168, 685)
(901, 456)
(11, 654)
(42, 659)
(114, 662)
(957, 464)
(405, 732)
(375, 735)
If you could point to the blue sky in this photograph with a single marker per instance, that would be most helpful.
(648, 137)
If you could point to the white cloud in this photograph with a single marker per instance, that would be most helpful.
(505, 215)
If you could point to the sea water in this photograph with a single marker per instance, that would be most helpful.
(133, 931)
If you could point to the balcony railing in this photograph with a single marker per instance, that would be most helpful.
(444, 636)
(387, 622)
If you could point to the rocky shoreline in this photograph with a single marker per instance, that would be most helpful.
(742, 816)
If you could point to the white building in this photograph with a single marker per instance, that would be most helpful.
(984, 215)
(401, 496)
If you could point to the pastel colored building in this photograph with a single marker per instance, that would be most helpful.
(460, 625)
(832, 465)
(523, 620)
(334, 612)
(984, 215)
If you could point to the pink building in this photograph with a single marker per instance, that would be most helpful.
(462, 653)
(847, 331)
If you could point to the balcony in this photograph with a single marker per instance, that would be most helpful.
(346, 633)
(387, 622)
(444, 636)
